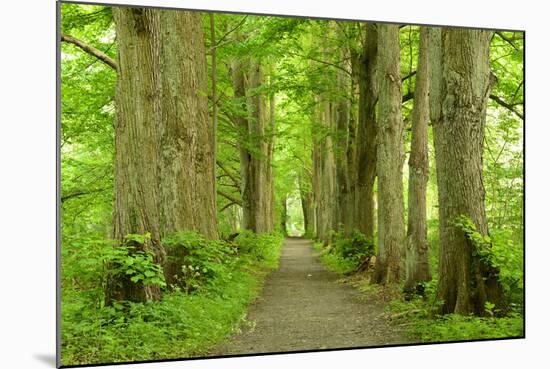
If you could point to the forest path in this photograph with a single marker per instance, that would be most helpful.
(302, 307)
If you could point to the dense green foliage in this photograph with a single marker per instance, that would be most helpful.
(347, 254)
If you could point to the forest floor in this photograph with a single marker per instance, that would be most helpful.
(305, 307)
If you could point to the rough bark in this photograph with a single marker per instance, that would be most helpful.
(239, 91)
(260, 172)
(137, 138)
(461, 84)
(256, 128)
(366, 133)
(187, 174)
(164, 176)
(351, 154)
(316, 174)
(270, 147)
(342, 107)
(328, 209)
(284, 216)
(391, 227)
(324, 170)
(307, 200)
(417, 265)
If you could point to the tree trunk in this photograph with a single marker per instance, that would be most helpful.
(164, 162)
(270, 182)
(316, 173)
(187, 170)
(137, 138)
(187, 190)
(324, 171)
(391, 227)
(284, 216)
(462, 84)
(239, 91)
(260, 175)
(307, 210)
(328, 174)
(256, 148)
(417, 265)
(342, 107)
(366, 134)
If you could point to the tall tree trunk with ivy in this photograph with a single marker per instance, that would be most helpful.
(137, 139)
(391, 223)
(461, 83)
(417, 263)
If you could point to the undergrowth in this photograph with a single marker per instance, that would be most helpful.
(418, 317)
(190, 318)
(346, 254)
(423, 324)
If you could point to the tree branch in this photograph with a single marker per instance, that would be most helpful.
(220, 42)
(229, 174)
(228, 205)
(504, 104)
(79, 193)
(90, 50)
(323, 62)
(507, 39)
(408, 96)
(229, 197)
(408, 76)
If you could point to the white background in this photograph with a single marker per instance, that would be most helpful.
(27, 182)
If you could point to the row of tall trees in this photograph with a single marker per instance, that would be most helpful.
(220, 118)
(453, 84)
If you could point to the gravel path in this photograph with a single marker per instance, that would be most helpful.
(302, 307)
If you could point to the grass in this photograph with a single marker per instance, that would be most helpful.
(423, 324)
(180, 325)
(418, 317)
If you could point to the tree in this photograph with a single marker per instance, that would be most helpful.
(417, 264)
(187, 190)
(366, 132)
(163, 139)
(391, 228)
(341, 141)
(137, 137)
(284, 217)
(462, 83)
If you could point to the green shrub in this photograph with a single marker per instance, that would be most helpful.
(263, 248)
(425, 325)
(500, 252)
(357, 247)
(346, 255)
(189, 319)
(194, 261)
(137, 264)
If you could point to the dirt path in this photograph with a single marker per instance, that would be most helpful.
(302, 307)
